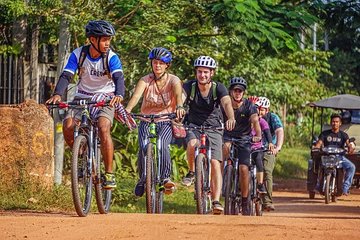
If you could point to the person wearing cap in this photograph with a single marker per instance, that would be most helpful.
(162, 93)
(246, 116)
(338, 138)
(204, 98)
(94, 79)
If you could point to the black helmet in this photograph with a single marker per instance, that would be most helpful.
(160, 53)
(238, 82)
(99, 28)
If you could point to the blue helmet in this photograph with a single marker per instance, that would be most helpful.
(99, 28)
(160, 53)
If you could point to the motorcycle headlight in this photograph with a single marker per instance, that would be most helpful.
(328, 161)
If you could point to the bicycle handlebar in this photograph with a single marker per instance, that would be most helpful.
(82, 102)
(202, 128)
(153, 116)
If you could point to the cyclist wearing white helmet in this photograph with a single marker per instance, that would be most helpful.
(246, 116)
(100, 72)
(161, 93)
(204, 97)
(277, 132)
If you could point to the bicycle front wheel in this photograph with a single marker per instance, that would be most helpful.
(228, 173)
(103, 196)
(200, 181)
(150, 179)
(81, 179)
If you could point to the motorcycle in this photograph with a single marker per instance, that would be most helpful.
(329, 172)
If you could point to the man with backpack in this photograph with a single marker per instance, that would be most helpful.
(204, 97)
(100, 72)
(277, 133)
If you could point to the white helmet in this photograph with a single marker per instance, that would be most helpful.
(263, 102)
(205, 61)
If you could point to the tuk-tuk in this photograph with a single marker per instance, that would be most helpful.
(349, 106)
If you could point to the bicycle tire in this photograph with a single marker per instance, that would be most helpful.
(228, 180)
(252, 193)
(150, 180)
(259, 207)
(201, 195)
(81, 179)
(103, 196)
(159, 202)
(327, 189)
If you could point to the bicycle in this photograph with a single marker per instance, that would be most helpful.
(87, 168)
(154, 185)
(231, 186)
(203, 170)
(256, 202)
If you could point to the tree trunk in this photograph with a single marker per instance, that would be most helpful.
(63, 53)
(34, 56)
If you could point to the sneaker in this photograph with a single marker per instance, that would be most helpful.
(169, 186)
(269, 207)
(139, 189)
(109, 181)
(188, 179)
(261, 188)
(217, 207)
(245, 211)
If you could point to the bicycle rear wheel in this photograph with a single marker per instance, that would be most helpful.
(150, 180)
(81, 179)
(228, 173)
(159, 202)
(252, 193)
(103, 196)
(200, 181)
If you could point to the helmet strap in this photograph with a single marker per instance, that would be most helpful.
(98, 45)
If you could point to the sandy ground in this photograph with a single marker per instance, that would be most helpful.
(296, 217)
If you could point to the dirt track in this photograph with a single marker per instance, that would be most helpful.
(296, 217)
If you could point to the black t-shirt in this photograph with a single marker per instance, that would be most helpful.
(205, 110)
(242, 117)
(329, 138)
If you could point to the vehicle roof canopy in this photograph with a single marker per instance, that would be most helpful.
(343, 101)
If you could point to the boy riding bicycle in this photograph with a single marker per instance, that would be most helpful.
(94, 74)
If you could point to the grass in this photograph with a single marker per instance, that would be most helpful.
(290, 163)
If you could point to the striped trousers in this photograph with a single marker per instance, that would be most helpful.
(164, 133)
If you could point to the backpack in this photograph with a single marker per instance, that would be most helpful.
(193, 90)
(85, 52)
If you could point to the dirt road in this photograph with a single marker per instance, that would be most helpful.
(296, 217)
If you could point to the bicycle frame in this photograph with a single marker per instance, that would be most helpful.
(154, 184)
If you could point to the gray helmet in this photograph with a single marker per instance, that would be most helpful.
(99, 28)
(238, 82)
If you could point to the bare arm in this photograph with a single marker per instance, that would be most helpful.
(178, 90)
(226, 104)
(139, 90)
(279, 139)
(254, 119)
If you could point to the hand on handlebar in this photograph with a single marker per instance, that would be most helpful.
(115, 100)
(180, 113)
(230, 124)
(54, 99)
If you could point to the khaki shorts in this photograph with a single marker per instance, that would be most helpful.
(107, 112)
